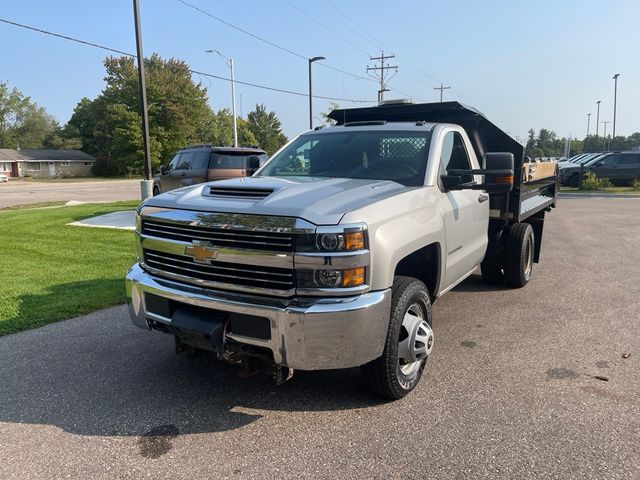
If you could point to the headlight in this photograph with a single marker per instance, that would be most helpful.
(346, 239)
(321, 278)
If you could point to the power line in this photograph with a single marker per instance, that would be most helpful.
(65, 37)
(269, 42)
(377, 42)
(196, 72)
(357, 47)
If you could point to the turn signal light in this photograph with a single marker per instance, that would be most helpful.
(354, 241)
(354, 277)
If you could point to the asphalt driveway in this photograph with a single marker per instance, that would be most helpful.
(527, 383)
(26, 192)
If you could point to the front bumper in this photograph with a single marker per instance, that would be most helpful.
(306, 334)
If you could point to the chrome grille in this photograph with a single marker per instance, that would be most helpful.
(220, 237)
(219, 273)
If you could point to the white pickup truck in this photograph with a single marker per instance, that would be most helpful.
(331, 255)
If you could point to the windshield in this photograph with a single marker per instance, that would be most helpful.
(395, 155)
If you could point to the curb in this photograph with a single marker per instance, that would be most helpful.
(597, 195)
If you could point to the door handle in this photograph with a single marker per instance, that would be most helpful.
(483, 198)
(183, 174)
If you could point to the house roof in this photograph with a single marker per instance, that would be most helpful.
(31, 155)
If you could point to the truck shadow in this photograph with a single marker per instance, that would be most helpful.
(99, 375)
(474, 283)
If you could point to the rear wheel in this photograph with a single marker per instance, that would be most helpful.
(518, 264)
(408, 344)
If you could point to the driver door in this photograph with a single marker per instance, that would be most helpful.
(465, 212)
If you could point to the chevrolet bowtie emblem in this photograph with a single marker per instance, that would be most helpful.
(201, 252)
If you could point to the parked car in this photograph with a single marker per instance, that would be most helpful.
(334, 262)
(568, 173)
(3, 178)
(619, 167)
(204, 163)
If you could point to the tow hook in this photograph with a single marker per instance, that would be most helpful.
(282, 374)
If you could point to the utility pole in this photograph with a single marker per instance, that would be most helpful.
(598, 118)
(615, 100)
(311, 60)
(604, 143)
(441, 88)
(379, 73)
(146, 185)
(588, 122)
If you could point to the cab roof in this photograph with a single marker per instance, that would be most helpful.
(484, 135)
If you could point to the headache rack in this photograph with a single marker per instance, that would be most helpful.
(535, 184)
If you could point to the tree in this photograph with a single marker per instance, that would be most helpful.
(267, 129)
(110, 124)
(325, 115)
(24, 124)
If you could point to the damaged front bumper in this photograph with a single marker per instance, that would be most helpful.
(305, 334)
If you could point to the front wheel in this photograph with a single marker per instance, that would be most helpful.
(156, 191)
(408, 344)
(575, 181)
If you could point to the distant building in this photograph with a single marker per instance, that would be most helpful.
(45, 163)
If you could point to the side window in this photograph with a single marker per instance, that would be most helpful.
(630, 159)
(611, 160)
(454, 156)
(200, 160)
(173, 164)
(186, 161)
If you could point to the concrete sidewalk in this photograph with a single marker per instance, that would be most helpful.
(123, 220)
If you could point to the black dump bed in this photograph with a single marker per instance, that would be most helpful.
(528, 196)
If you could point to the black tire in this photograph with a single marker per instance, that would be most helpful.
(156, 191)
(492, 265)
(383, 375)
(518, 263)
(575, 181)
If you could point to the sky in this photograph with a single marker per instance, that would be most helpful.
(524, 64)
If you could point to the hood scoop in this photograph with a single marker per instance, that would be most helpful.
(239, 192)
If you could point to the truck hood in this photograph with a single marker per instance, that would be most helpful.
(319, 200)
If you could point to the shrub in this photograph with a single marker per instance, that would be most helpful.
(592, 182)
(636, 184)
(102, 169)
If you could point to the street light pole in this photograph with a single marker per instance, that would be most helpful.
(229, 62)
(311, 60)
(146, 185)
(598, 118)
(604, 143)
(615, 101)
(588, 122)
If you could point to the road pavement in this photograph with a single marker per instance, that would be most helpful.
(527, 383)
(28, 192)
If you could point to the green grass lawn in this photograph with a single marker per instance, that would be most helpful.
(50, 271)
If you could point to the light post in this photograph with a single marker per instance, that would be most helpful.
(146, 185)
(311, 60)
(229, 62)
(604, 143)
(588, 122)
(598, 118)
(615, 100)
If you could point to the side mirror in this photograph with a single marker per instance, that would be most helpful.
(253, 164)
(599, 163)
(497, 170)
(451, 182)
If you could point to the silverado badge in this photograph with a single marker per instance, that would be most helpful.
(201, 252)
